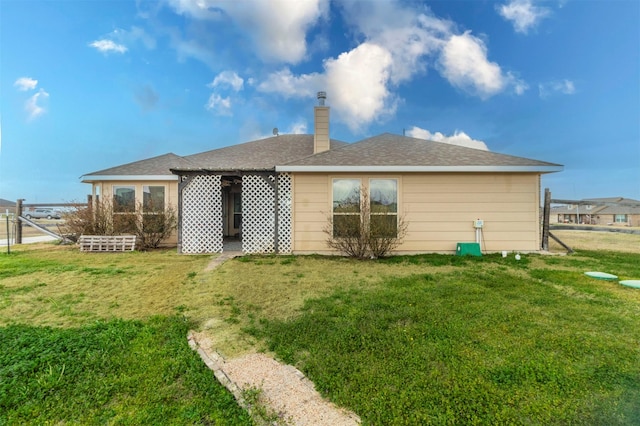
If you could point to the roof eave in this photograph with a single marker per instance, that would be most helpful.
(101, 178)
(423, 169)
(225, 170)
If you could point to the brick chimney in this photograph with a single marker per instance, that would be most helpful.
(321, 141)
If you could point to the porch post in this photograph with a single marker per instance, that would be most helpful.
(276, 236)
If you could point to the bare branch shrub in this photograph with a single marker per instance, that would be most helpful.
(386, 233)
(156, 226)
(365, 234)
(348, 236)
(150, 228)
(91, 220)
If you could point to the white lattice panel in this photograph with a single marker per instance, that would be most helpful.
(284, 213)
(258, 214)
(202, 215)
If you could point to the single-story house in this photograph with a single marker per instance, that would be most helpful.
(599, 211)
(279, 193)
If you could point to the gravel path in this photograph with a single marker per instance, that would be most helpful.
(284, 389)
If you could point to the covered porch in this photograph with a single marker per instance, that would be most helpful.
(223, 210)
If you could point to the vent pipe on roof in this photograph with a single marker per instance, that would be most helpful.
(321, 140)
(322, 96)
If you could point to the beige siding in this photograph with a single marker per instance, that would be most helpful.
(311, 207)
(321, 140)
(439, 208)
(171, 194)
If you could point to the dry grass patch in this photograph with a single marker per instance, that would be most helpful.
(61, 287)
(595, 240)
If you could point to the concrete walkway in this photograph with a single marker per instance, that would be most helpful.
(285, 390)
(224, 256)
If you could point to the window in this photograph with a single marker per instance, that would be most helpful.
(153, 199)
(620, 218)
(346, 207)
(124, 199)
(383, 199)
(381, 213)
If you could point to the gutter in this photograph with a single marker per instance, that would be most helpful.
(416, 169)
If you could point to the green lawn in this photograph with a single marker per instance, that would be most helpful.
(430, 339)
(110, 372)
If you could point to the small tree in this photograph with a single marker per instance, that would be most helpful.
(365, 233)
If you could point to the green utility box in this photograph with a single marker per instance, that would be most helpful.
(468, 249)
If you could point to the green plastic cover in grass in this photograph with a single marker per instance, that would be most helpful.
(601, 275)
(631, 283)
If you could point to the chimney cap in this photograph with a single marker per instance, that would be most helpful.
(321, 97)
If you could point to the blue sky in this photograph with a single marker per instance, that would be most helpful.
(87, 85)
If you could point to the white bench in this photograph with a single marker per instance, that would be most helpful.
(102, 243)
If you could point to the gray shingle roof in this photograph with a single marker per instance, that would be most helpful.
(295, 153)
(263, 154)
(159, 165)
(394, 150)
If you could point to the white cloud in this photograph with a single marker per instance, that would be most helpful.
(519, 86)
(465, 64)
(298, 128)
(228, 78)
(106, 46)
(199, 9)
(564, 87)
(408, 35)
(458, 138)
(33, 107)
(357, 83)
(138, 34)
(288, 85)
(25, 83)
(277, 27)
(192, 49)
(523, 14)
(219, 105)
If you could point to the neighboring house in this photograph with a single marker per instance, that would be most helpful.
(599, 211)
(278, 194)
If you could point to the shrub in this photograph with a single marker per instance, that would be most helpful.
(366, 234)
(150, 228)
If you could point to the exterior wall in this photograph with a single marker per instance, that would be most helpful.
(105, 191)
(439, 208)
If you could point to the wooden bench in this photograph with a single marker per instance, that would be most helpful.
(107, 243)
